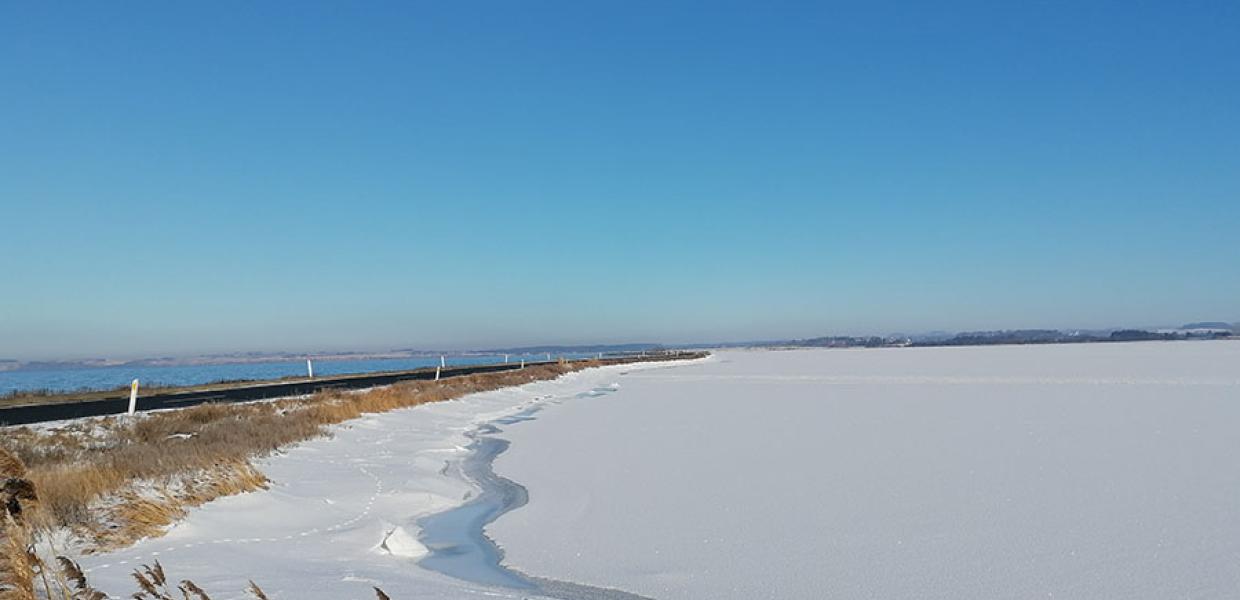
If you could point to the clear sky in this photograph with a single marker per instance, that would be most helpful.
(179, 179)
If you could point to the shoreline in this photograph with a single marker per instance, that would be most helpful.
(456, 538)
(352, 504)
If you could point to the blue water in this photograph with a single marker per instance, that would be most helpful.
(104, 378)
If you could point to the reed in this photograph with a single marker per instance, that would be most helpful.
(151, 580)
(256, 591)
(21, 568)
(17, 560)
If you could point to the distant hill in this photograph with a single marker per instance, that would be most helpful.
(581, 349)
(1011, 336)
(1192, 331)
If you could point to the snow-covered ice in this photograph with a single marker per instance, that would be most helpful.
(1100, 471)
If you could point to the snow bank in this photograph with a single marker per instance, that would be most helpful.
(343, 512)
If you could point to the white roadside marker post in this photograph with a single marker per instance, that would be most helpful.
(505, 359)
(309, 369)
(437, 373)
(442, 362)
(523, 363)
(548, 357)
(133, 397)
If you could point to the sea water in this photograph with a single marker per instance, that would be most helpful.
(111, 377)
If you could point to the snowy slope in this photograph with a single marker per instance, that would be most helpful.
(343, 513)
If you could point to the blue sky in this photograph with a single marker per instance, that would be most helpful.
(180, 179)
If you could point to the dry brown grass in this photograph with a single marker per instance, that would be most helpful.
(17, 568)
(153, 584)
(10, 465)
(86, 472)
(22, 568)
(18, 561)
(256, 591)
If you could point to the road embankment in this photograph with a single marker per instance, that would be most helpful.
(96, 404)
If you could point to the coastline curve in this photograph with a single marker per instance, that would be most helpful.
(456, 540)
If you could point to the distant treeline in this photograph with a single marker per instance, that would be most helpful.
(1013, 336)
(842, 341)
(1051, 336)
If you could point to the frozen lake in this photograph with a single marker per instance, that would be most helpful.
(1107, 471)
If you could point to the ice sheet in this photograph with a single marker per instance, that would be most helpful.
(1102, 471)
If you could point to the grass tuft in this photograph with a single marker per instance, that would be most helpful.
(10, 465)
(256, 591)
(190, 589)
(17, 560)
